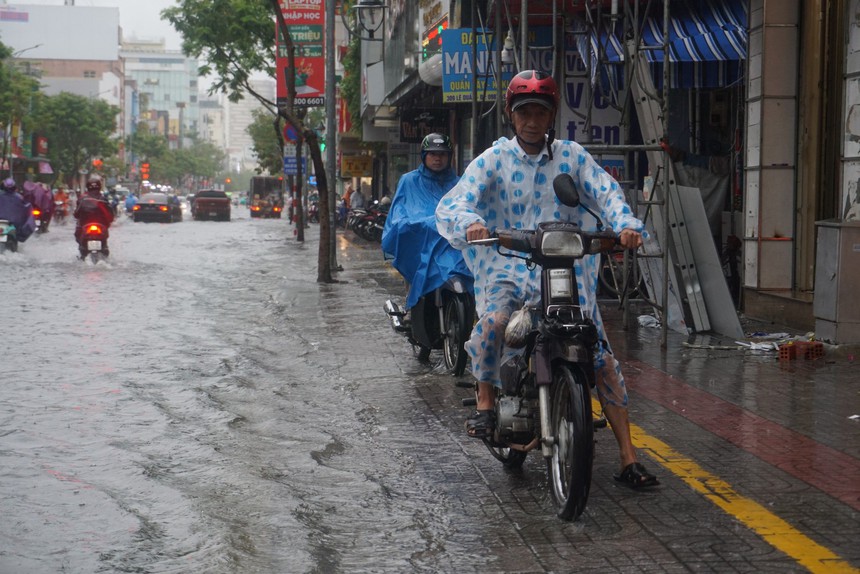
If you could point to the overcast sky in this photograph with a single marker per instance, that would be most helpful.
(139, 18)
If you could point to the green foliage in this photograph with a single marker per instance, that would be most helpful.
(180, 168)
(79, 129)
(19, 94)
(234, 38)
(266, 146)
(350, 88)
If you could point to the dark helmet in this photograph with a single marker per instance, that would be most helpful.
(10, 185)
(531, 87)
(436, 142)
(94, 185)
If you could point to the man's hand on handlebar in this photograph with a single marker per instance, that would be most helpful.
(630, 239)
(477, 231)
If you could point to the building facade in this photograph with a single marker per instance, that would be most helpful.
(761, 95)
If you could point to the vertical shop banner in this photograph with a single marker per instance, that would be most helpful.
(306, 21)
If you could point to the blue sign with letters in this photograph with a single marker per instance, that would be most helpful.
(292, 168)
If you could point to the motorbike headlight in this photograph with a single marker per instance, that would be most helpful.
(562, 244)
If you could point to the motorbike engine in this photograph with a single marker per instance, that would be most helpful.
(515, 419)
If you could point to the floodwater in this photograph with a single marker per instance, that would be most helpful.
(188, 406)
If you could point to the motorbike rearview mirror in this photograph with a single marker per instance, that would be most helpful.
(565, 190)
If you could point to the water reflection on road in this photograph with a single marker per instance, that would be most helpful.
(200, 404)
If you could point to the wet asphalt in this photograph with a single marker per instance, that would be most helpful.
(248, 419)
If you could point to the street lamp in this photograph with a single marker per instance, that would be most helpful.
(371, 15)
(21, 51)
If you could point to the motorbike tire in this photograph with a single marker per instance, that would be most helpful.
(458, 316)
(611, 277)
(570, 466)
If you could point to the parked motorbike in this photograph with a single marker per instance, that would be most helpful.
(442, 319)
(8, 236)
(369, 223)
(545, 399)
(93, 242)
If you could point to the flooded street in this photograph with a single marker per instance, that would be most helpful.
(199, 404)
(191, 403)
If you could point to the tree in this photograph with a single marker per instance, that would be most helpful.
(19, 94)
(235, 48)
(79, 129)
(266, 146)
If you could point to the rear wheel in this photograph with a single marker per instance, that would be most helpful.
(569, 468)
(458, 317)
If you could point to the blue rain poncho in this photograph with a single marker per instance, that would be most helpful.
(410, 238)
(505, 188)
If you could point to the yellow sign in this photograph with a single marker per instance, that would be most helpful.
(356, 166)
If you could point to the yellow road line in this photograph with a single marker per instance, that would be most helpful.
(775, 531)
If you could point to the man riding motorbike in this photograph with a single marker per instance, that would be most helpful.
(92, 208)
(410, 238)
(16, 211)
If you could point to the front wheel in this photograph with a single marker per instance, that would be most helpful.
(569, 468)
(458, 316)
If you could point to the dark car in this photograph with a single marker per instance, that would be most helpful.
(211, 204)
(157, 207)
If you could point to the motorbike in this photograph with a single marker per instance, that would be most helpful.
(42, 219)
(545, 399)
(93, 242)
(369, 223)
(314, 212)
(442, 319)
(61, 211)
(8, 236)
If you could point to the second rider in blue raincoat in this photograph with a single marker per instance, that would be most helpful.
(410, 238)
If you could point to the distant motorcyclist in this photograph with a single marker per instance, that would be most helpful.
(61, 203)
(92, 208)
(43, 200)
(410, 238)
(16, 211)
(130, 202)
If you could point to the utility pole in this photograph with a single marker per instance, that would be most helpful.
(331, 130)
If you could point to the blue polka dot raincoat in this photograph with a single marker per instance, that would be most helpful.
(505, 188)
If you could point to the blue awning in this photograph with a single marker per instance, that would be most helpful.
(707, 43)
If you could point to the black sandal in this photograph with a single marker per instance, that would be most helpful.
(481, 423)
(636, 476)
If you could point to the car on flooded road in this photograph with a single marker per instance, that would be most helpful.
(158, 207)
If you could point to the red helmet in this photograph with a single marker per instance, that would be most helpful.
(531, 86)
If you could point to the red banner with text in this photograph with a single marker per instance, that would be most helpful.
(306, 22)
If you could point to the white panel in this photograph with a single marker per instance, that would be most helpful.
(853, 47)
(849, 207)
(756, 13)
(753, 135)
(751, 202)
(851, 144)
(751, 264)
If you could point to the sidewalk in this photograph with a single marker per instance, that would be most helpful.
(773, 445)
